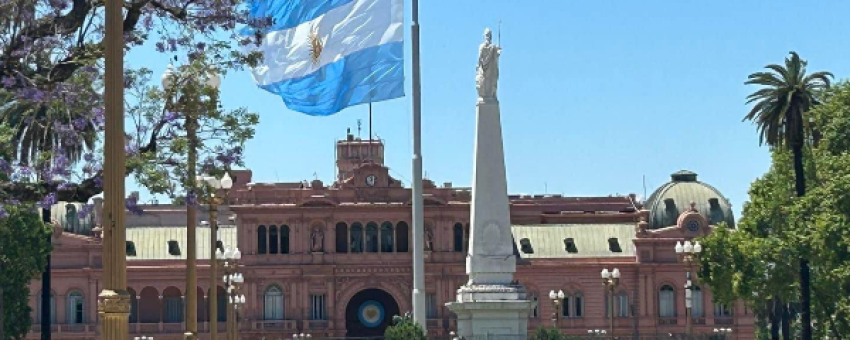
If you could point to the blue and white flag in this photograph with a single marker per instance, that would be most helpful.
(322, 56)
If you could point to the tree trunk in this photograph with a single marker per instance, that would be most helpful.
(2, 329)
(786, 323)
(773, 315)
(805, 279)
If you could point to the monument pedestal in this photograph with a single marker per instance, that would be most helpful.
(497, 310)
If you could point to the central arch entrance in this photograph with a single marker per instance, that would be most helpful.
(369, 313)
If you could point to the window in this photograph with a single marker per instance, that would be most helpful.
(722, 311)
(72, 222)
(401, 235)
(372, 237)
(666, 302)
(622, 304)
(134, 306)
(566, 306)
(173, 248)
(284, 239)
(341, 237)
(317, 307)
(387, 237)
(52, 307)
(578, 301)
(526, 246)
(570, 245)
(536, 311)
(356, 238)
(219, 245)
(75, 309)
(697, 309)
(273, 304)
(130, 248)
(273, 240)
(614, 245)
(173, 309)
(458, 237)
(261, 239)
(431, 305)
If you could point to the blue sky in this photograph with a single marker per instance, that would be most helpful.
(595, 95)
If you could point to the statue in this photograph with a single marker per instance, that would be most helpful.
(429, 239)
(317, 239)
(487, 73)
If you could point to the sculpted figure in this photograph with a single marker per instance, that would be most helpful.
(487, 72)
(429, 239)
(317, 238)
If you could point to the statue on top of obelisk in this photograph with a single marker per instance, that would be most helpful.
(487, 72)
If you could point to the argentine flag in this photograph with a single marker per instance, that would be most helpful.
(322, 56)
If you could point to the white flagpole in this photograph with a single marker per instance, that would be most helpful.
(418, 228)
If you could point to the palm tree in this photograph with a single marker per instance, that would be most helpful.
(781, 105)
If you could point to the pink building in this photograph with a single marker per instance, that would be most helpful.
(334, 260)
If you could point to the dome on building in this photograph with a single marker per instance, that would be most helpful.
(675, 197)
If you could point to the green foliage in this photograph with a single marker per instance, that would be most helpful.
(547, 333)
(760, 260)
(24, 247)
(404, 328)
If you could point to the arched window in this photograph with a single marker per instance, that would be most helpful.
(134, 305)
(221, 305)
(273, 240)
(621, 305)
(401, 237)
(697, 307)
(578, 303)
(72, 222)
(52, 307)
(261, 239)
(666, 302)
(566, 306)
(273, 304)
(372, 237)
(458, 237)
(341, 237)
(173, 305)
(284, 239)
(356, 237)
(387, 237)
(75, 308)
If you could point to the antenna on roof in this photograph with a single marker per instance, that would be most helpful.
(276, 176)
(358, 128)
(644, 186)
(545, 185)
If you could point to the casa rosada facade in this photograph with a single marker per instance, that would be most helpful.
(335, 260)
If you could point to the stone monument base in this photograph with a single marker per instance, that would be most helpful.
(494, 310)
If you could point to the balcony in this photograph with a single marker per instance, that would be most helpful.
(316, 324)
(66, 328)
(665, 321)
(726, 320)
(276, 325)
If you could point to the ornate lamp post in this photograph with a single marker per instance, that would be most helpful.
(556, 300)
(169, 83)
(724, 332)
(688, 254)
(214, 184)
(232, 280)
(611, 280)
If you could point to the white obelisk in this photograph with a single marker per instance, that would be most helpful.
(489, 303)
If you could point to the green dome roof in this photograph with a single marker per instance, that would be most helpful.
(675, 197)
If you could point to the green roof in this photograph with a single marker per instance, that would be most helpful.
(152, 242)
(591, 240)
(682, 190)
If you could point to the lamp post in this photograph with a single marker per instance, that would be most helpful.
(556, 300)
(232, 280)
(611, 280)
(724, 332)
(214, 184)
(687, 254)
(170, 82)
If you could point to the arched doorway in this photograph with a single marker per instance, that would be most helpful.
(369, 313)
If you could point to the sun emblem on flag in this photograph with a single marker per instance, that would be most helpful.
(316, 45)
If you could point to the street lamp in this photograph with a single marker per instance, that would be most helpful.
(611, 280)
(233, 281)
(688, 254)
(170, 82)
(724, 332)
(301, 336)
(556, 299)
(596, 332)
(213, 185)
